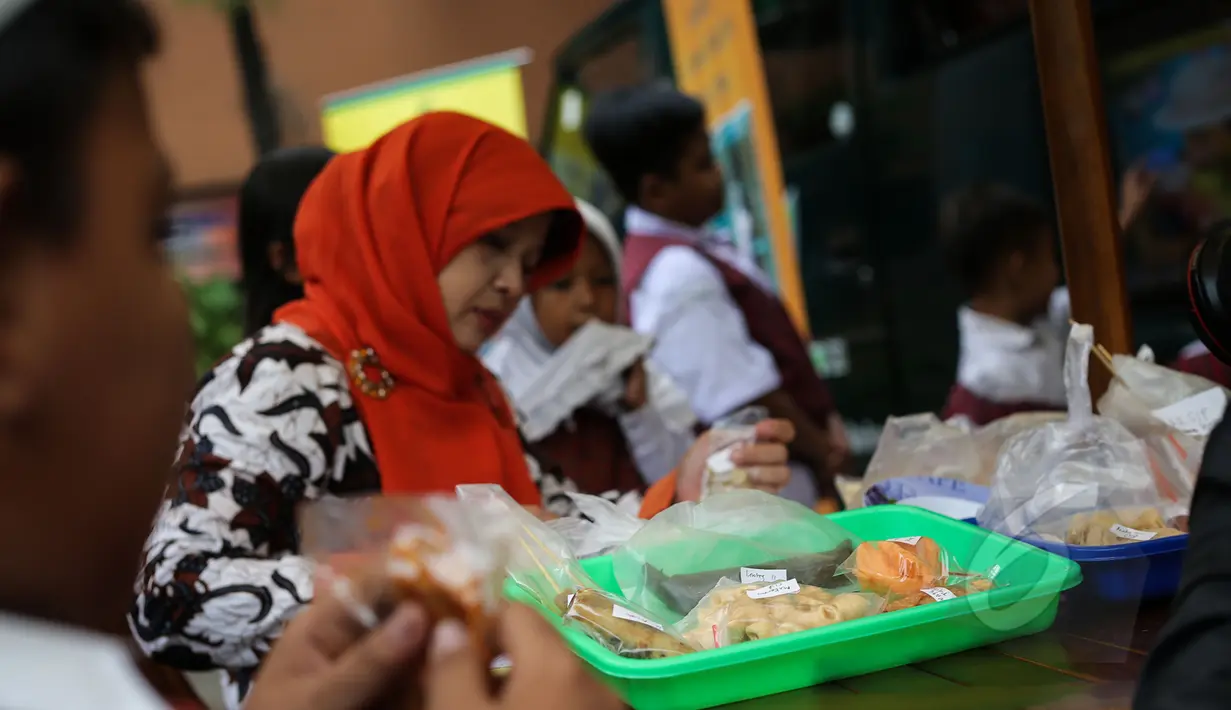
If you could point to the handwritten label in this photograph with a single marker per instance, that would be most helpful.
(776, 589)
(1195, 415)
(906, 540)
(1127, 533)
(751, 575)
(940, 594)
(620, 612)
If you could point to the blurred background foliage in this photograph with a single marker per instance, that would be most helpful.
(216, 308)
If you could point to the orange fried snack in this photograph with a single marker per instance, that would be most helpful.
(426, 566)
(931, 596)
(900, 568)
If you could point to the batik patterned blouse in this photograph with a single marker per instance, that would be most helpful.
(270, 426)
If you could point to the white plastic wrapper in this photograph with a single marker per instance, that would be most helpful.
(1084, 464)
(603, 527)
(725, 438)
(922, 445)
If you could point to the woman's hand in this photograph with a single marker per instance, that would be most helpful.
(766, 460)
(327, 660)
(545, 674)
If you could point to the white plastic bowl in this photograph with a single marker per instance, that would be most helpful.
(956, 508)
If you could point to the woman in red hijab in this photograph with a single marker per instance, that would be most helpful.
(413, 252)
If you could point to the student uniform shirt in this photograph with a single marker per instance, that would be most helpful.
(45, 666)
(1006, 368)
(702, 340)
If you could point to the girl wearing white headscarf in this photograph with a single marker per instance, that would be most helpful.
(587, 398)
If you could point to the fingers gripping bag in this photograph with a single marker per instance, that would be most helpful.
(374, 552)
(541, 563)
(733, 613)
(1084, 464)
(725, 438)
(750, 536)
(920, 445)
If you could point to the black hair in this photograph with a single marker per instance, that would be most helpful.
(982, 225)
(268, 202)
(55, 58)
(639, 131)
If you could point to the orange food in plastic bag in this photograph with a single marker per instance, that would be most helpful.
(900, 567)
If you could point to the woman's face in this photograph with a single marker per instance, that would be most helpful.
(484, 282)
(588, 291)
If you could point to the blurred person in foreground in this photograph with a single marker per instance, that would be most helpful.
(95, 365)
(619, 431)
(413, 251)
(719, 329)
(268, 202)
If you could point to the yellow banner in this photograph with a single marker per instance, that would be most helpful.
(489, 88)
(717, 58)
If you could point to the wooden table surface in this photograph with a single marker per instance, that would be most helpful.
(1089, 660)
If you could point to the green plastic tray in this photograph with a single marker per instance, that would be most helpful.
(1030, 580)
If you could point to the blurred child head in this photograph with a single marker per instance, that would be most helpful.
(1001, 246)
(268, 201)
(653, 143)
(590, 290)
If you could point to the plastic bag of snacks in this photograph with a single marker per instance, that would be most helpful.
(726, 437)
(920, 445)
(1084, 464)
(622, 627)
(1122, 525)
(603, 526)
(377, 551)
(541, 563)
(946, 592)
(539, 560)
(734, 613)
(750, 536)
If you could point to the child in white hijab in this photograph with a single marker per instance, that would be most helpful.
(587, 397)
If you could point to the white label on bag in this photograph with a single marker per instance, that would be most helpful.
(620, 612)
(776, 589)
(1127, 533)
(721, 462)
(570, 600)
(993, 572)
(752, 575)
(1195, 415)
(906, 540)
(940, 594)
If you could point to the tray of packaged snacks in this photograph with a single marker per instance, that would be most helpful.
(1132, 553)
(703, 624)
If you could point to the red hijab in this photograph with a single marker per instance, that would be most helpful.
(372, 233)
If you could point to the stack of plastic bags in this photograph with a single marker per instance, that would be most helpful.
(1085, 480)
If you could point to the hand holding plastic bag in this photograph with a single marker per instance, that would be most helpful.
(376, 551)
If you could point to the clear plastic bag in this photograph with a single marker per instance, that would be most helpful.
(725, 438)
(920, 445)
(751, 536)
(733, 613)
(1084, 464)
(376, 551)
(539, 560)
(931, 595)
(1121, 526)
(991, 438)
(622, 627)
(603, 527)
(900, 566)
